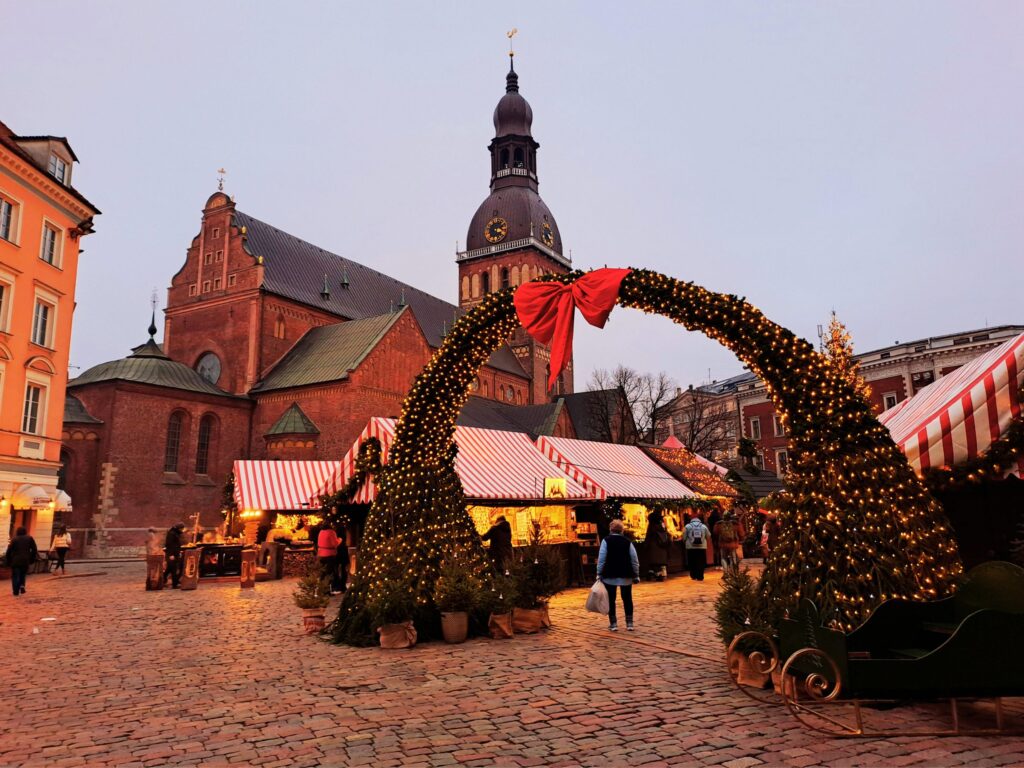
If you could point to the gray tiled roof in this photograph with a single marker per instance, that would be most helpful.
(761, 481)
(75, 413)
(295, 269)
(533, 420)
(149, 365)
(293, 422)
(587, 412)
(328, 353)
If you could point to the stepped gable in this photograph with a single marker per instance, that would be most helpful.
(295, 269)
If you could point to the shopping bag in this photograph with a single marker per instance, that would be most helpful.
(597, 600)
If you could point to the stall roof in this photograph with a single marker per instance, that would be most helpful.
(611, 470)
(692, 470)
(492, 464)
(280, 485)
(959, 416)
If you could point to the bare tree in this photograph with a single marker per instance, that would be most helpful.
(702, 421)
(626, 413)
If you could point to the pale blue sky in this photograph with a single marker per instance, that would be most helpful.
(866, 157)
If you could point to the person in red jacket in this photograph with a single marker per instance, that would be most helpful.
(329, 548)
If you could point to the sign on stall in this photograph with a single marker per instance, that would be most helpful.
(554, 488)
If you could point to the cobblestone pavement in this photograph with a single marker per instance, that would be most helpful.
(222, 676)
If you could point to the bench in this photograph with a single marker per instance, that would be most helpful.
(962, 647)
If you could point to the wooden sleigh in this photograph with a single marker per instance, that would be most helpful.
(966, 648)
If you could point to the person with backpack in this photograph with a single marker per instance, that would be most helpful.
(729, 535)
(696, 541)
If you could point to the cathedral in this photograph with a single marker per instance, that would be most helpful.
(275, 348)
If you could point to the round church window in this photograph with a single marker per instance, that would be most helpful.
(209, 367)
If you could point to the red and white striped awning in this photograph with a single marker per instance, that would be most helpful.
(493, 465)
(378, 427)
(609, 470)
(958, 417)
(280, 485)
(496, 465)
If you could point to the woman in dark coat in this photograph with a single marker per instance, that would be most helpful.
(656, 541)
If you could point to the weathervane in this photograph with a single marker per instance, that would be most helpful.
(220, 179)
(510, 34)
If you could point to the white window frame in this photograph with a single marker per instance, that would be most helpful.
(779, 454)
(7, 281)
(52, 167)
(755, 426)
(43, 384)
(885, 398)
(193, 289)
(16, 209)
(778, 426)
(52, 301)
(58, 243)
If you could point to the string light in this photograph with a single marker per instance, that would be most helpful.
(858, 525)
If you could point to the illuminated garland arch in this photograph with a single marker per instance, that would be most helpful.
(858, 527)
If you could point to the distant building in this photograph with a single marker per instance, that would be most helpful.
(894, 374)
(42, 220)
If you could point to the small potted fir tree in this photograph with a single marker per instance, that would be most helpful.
(392, 606)
(496, 603)
(455, 595)
(312, 594)
(539, 575)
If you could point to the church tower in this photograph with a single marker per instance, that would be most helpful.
(513, 237)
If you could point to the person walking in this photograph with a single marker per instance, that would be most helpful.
(618, 567)
(21, 553)
(327, 551)
(172, 552)
(500, 551)
(696, 541)
(729, 534)
(60, 544)
(656, 543)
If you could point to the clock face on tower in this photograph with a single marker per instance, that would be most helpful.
(547, 235)
(496, 229)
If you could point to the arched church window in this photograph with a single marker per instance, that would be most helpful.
(279, 327)
(476, 286)
(519, 397)
(518, 161)
(504, 158)
(504, 278)
(515, 276)
(485, 282)
(465, 286)
(172, 449)
(203, 447)
(487, 389)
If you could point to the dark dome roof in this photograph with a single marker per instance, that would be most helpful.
(520, 207)
(513, 116)
(148, 365)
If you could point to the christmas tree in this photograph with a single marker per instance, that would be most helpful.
(837, 344)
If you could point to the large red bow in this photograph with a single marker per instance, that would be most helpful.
(546, 310)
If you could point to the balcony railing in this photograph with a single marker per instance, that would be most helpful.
(513, 245)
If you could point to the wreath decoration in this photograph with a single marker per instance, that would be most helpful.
(858, 526)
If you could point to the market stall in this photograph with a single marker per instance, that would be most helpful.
(503, 474)
(965, 434)
(629, 477)
(276, 495)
